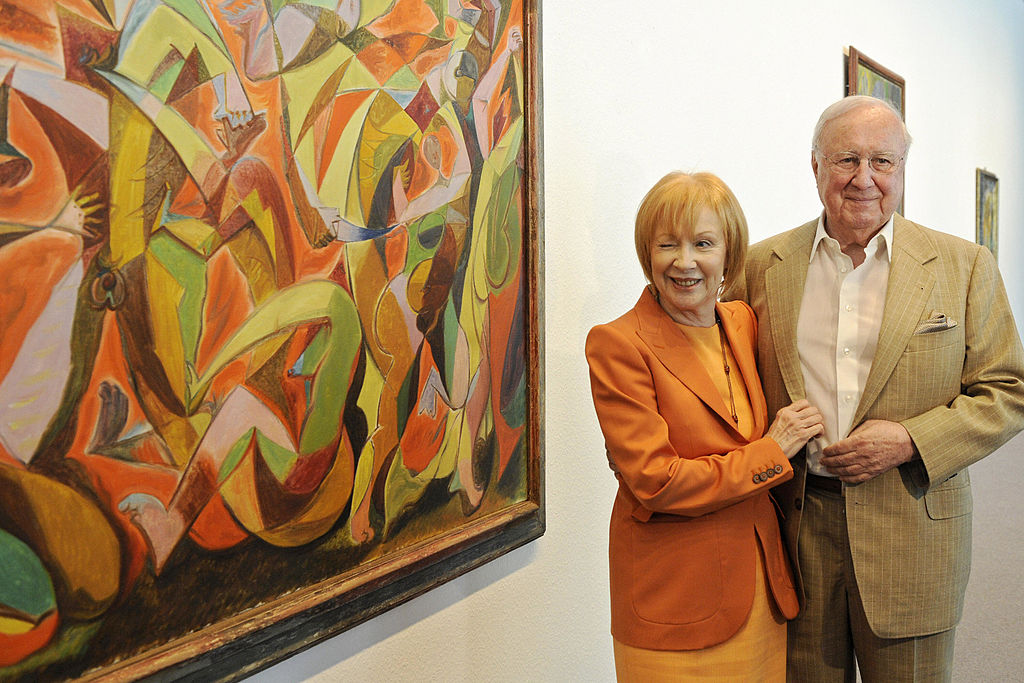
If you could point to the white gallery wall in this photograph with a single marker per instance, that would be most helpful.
(631, 91)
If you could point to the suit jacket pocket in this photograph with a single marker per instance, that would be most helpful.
(951, 498)
(677, 570)
(935, 339)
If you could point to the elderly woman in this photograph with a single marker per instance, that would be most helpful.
(700, 584)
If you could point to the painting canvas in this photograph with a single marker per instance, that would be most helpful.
(269, 332)
(986, 202)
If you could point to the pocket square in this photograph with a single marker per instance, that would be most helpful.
(936, 322)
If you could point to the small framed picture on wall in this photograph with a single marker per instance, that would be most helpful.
(865, 76)
(986, 210)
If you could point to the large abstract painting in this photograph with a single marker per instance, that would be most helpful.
(269, 330)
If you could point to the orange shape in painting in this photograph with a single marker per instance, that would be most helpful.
(407, 45)
(407, 16)
(32, 267)
(25, 23)
(396, 248)
(344, 106)
(227, 304)
(14, 647)
(189, 200)
(424, 433)
(427, 60)
(34, 199)
(503, 313)
(381, 60)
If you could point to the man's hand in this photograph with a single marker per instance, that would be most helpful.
(871, 449)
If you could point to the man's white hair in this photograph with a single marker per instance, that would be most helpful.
(848, 104)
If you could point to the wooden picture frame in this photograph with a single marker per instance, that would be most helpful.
(986, 211)
(442, 226)
(865, 76)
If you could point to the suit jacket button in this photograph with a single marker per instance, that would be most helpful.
(798, 504)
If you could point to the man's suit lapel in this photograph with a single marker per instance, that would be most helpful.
(910, 285)
(784, 288)
(668, 343)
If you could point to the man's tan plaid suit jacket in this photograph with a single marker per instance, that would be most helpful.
(949, 367)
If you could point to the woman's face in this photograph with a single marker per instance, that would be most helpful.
(688, 268)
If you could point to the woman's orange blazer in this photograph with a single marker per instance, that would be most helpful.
(693, 492)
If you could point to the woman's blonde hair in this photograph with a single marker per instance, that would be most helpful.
(677, 201)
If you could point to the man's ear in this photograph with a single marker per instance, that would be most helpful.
(814, 163)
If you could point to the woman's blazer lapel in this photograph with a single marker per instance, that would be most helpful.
(671, 347)
(737, 320)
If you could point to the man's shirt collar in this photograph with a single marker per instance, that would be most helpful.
(882, 238)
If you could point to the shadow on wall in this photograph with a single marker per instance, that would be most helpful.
(331, 653)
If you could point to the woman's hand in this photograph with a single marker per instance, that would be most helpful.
(795, 425)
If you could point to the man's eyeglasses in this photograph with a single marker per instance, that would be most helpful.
(848, 162)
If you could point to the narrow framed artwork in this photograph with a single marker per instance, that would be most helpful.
(270, 322)
(986, 211)
(865, 76)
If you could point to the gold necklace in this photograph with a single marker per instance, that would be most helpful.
(725, 366)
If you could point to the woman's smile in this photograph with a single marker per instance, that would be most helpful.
(687, 267)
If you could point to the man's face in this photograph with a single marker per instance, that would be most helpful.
(860, 201)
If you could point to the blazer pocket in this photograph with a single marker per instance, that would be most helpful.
(951, 498)
(932, 340)
(677, 570)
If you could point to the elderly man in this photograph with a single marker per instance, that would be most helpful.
(904, 339)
